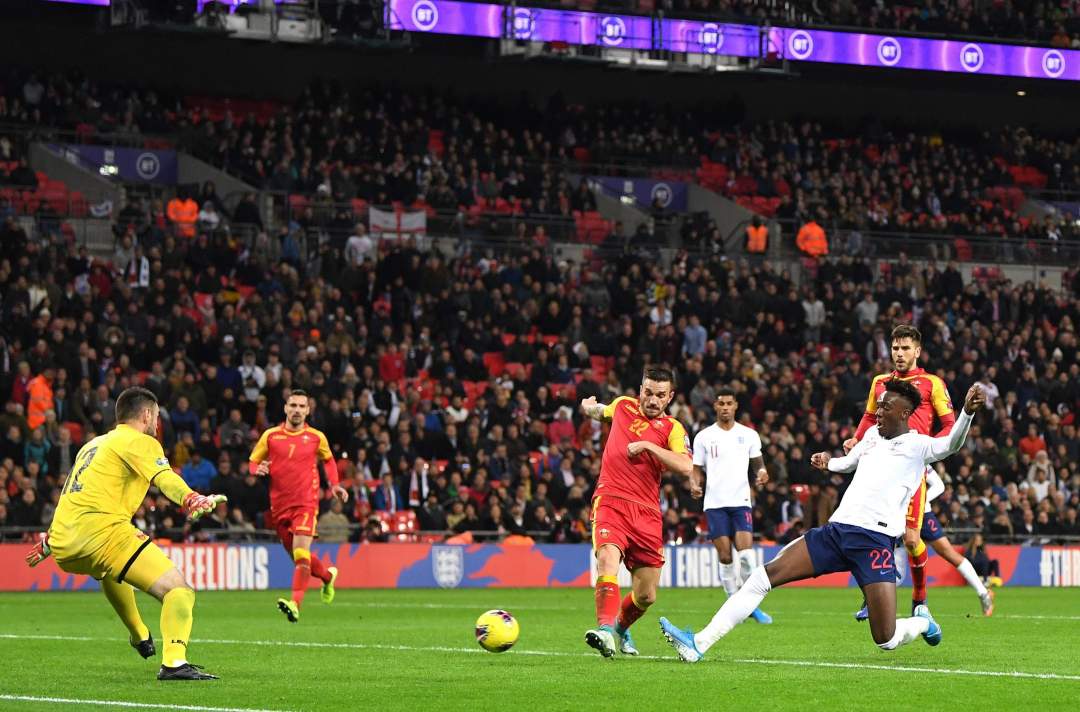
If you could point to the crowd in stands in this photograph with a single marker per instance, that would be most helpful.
(471, 158)
(447, 385)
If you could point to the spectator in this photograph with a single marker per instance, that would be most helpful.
(1032, 443)
(334, 525)
(757, 236)
(387, 497)
(183, 213)
(811, 239)
(198, 473)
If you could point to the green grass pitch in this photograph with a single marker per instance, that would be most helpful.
(414, 650)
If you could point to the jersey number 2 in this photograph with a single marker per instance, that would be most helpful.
(73, 484)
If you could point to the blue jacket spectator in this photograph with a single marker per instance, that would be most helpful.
(198, 473)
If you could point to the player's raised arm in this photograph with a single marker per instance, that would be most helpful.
(941, 447)
(148, 460)
(595, 410)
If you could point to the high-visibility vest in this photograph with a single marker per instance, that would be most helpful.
(757, 238)
(811, 240)
(184, 213)
(41, 400)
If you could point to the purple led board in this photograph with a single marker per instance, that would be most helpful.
(100, 3)
(956, 56)
(695, 37)
(449, 17)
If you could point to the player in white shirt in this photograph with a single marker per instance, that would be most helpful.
(724, 452)
(861, 533)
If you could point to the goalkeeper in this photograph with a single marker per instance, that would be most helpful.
(92, 534)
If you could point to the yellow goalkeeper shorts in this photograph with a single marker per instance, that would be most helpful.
(117, 550)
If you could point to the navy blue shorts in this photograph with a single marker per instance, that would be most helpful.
(931, 528)
(725, 521)
(868, 555)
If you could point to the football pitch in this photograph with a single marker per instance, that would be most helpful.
(415, 650)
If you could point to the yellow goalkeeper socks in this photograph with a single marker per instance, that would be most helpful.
(176, 608)
(122, 598)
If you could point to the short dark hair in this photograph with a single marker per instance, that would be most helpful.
(659, 374)
(132, 401)
(907, 331)
(298, 392)
(905, 390)
(725, 391)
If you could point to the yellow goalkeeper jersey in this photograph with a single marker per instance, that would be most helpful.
(110, 477)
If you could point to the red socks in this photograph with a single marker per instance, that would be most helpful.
(300, 577)
(918, 572)
(319, 570)
(629, 612)
(607, 600)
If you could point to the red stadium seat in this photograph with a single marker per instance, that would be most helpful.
(495, 363)
(76, 430)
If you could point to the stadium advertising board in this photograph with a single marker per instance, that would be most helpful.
(695, 37)
(235, 567)
(136, 165)
(670, 195)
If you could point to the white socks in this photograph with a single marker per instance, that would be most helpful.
(968, 572)
(907, 630)
(727, 579)
(738, 607)
(746, 563)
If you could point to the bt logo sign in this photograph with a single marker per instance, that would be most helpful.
(662, 193)
(800, 44)
(971, 57)
(147, 166)
(524, 24)
(888, 51)
(711, 38)
(612, 31)
(425, 15)
(1053, 63)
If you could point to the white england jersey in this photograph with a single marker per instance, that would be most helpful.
(934, 484)
(725, 455)
(887, 473)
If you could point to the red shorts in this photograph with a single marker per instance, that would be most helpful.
(296, 520)
(916, 507)
(637, 530)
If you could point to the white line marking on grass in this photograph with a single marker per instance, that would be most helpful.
(907, 668)
(118, 703)
(674, 611)
(562, 654)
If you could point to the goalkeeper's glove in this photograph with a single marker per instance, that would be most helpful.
(195, 505)
(40, 552)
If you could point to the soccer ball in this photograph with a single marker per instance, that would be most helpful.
(496, 631)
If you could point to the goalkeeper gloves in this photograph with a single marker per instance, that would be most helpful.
(40, 552)
(196, 505)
